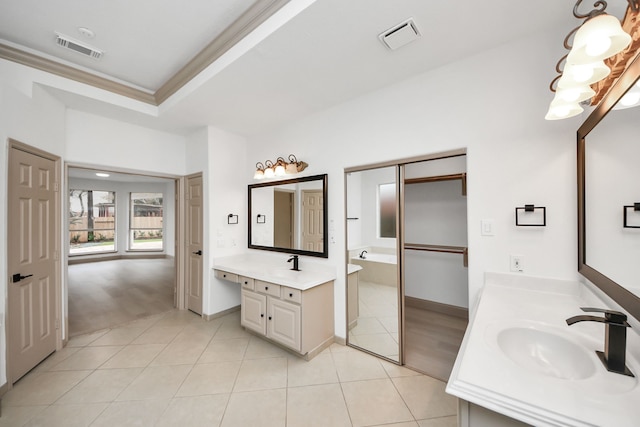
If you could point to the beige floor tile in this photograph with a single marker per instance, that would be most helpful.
(368, 325)
(317, 406)
(119, 336)
(268, 409)
(178, 318)
(138, 413)
(208, 328)
(407, 424)
(180, 353)
(439, 422)
(134, 356)
(156, 382)
(158, 335)
(54, 359)
(43, 389)
(426, 397)
(13, 416)
(199, 411)
(210, 378)
(260, 348)
(339, 348)
(67, 415)
(375, 402)
(231, 329)
(224, 350)
(382, 344)
(357, 366)
(262, 374)
(101, 386)
(394, 370)
(87, 358)
(319, 370)
(86, 339)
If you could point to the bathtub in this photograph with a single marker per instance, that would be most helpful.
(378, 268)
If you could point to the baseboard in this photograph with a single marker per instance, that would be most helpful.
(450, 310)
(85, 260)
(340, 340)
(220, 313)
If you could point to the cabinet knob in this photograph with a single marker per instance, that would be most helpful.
(266, 288)
(291, 295)
(269, 317)
(246, 283)
(262, 315)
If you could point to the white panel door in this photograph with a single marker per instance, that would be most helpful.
(31, 261)
(194, 219)
(283, 324)
(253, 311)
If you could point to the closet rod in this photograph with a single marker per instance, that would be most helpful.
(440, 248)
(460, 176)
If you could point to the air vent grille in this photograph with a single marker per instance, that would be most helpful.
(400, 35)
(79, 47)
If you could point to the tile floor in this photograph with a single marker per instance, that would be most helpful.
(175, 369)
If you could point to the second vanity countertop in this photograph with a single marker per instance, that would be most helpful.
(276, 270)
(483, 374)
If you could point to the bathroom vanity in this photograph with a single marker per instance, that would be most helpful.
(520, 362)
(293, 309)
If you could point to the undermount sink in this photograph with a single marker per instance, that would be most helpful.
(546, 353)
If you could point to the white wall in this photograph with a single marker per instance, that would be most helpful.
(493, 104)
(123, 190)
(35, 118)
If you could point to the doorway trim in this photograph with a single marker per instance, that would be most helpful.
(56, 236)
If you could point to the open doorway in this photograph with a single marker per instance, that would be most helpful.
(121, 261)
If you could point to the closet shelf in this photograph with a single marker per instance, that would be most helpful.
(441, 248)
(460, 176)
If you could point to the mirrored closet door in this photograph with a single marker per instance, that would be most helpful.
(373, 300)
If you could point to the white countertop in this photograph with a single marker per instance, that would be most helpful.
(276, 270)
(483, 374)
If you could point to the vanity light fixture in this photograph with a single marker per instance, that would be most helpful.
(280, 168)
(259, 171)
(599, 37)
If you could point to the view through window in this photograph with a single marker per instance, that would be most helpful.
(92, 221)
(145, 225)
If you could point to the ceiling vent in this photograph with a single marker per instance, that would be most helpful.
(400, 35)
(79, 47)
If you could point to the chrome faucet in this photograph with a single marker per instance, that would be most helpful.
(362, 254)
(294, 258)
(615, 337)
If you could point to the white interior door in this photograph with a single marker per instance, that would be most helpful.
(313, 220)
(31, 260)
(194, 225)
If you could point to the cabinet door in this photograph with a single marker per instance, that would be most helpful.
(283, 325)
(253, 309)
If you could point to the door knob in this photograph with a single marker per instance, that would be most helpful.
(197, 253)
(18, 277)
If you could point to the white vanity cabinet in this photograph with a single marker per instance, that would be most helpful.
(299, 319)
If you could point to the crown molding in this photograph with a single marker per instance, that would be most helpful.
(258, 13)
(30, 60)
(240, 28)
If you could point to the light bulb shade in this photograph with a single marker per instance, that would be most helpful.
(574, 75)
(559, 110)
(268, 173)
(574, 95)
(259, 174)
(598, 38)
(279, 170)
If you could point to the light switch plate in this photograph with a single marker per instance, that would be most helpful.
(486, 227)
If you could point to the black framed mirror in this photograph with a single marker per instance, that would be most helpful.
(289, 216)
(608, 175)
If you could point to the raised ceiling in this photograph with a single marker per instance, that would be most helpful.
(323, 53)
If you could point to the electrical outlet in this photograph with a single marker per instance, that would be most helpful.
(517, 263)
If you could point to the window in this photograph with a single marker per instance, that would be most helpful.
(145, 225)
(92, 221)
(387, 210)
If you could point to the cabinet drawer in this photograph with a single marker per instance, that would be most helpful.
(292, 295)
(225, 275)
(268, 288)
(247, 283)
